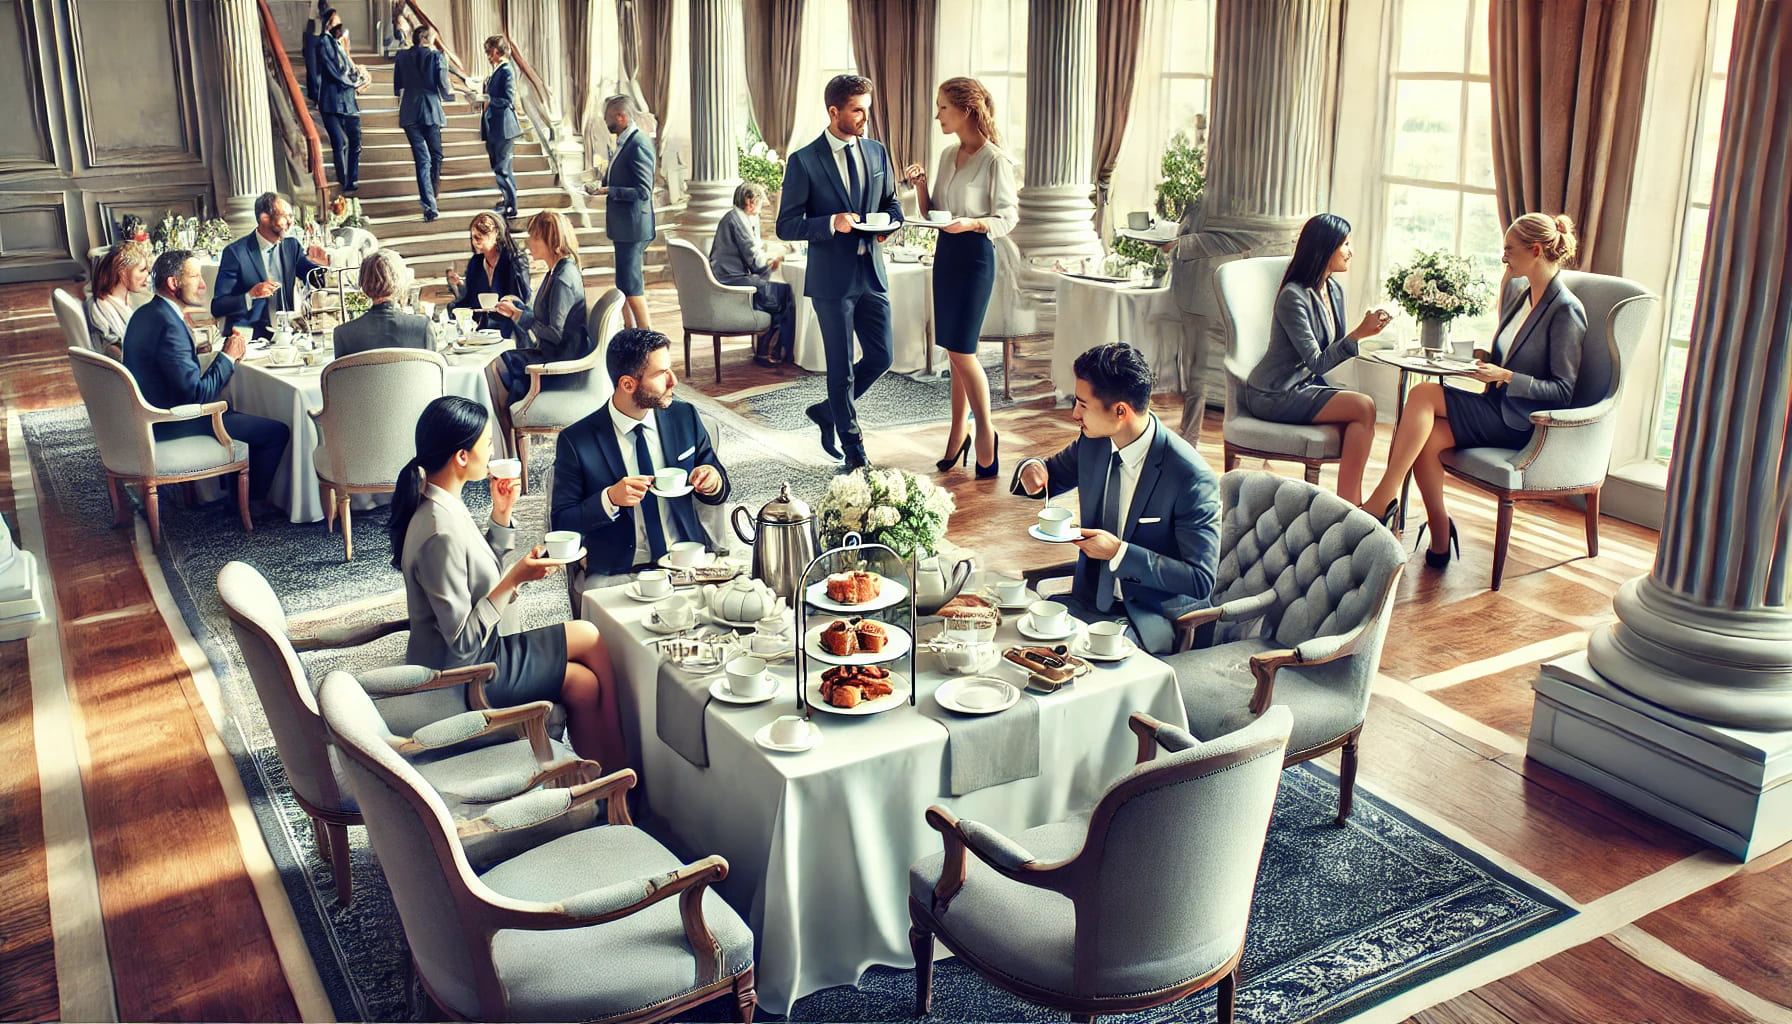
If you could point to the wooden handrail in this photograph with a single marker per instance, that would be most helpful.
(314, 147)
(417, 10)
(522, 65)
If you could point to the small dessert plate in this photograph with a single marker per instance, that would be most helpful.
(977, 695)
(719, 690)
(1080, 648)
(633, 590)
(1032, 632)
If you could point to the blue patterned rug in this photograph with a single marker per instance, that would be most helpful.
(896, 400)
(1343, 918)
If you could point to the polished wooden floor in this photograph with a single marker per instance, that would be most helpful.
(1668, 931)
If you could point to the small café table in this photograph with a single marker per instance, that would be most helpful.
(1094, 311)
(911, 316)
(819, 843)
(1443, 365)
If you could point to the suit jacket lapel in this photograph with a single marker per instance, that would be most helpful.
(823, 151)
(674, 439)
(1536, 318)
(606, 443)
(1149, 474)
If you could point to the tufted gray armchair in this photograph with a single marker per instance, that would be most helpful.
(1141, 902)
(1247, 296)
(1570, 449)
(1300, 609)
(544, 413)
(366, 429)
(710, 307)
(428, 707)
(582, 927)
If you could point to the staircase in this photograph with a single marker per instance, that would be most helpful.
(388, 191)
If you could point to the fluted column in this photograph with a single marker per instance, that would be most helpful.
(1056, 212)
(248, 132)
(715, 165)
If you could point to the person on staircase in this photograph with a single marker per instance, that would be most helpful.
(420, 81)
(628, 205)
(339, 79)
(316, 30)
(498, 124)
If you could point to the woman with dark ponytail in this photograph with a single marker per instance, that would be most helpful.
(458, 590)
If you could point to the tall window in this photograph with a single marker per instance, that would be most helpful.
(1693, 227)
(999, 61)
(1437, 180)
(835, 41)
(1187, 80)
(1174, 94)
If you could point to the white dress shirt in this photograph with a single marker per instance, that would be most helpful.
(616, 148)
(1132, 459)
(982, 188)
(625, 440)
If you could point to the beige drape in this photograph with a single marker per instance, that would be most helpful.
(892, 43)
(646, 27)
(1567, 106)
(774, 34)
(1117, 24)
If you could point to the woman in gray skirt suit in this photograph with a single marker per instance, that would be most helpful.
(1306, 340)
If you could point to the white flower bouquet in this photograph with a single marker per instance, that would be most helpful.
(892, 507)
(1439, 286)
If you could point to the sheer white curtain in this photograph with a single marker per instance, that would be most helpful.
(1147, 130)
(826, 51)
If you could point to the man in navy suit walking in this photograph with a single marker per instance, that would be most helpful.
(498, 124)
(256, 273)
(337, 82)
(628, 205)
(830, 186)
(420, 80)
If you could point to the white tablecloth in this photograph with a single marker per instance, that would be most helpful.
(1094, 313)
(911, 316)
(288, 395)
(819, 844)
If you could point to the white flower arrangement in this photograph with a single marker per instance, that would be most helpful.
(1439, 286)
(892, 507)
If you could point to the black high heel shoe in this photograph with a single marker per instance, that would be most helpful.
(1440, 559)
(961, 456)
(995, 461)
(1389, 516)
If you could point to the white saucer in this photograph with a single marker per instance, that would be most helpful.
(575, 556)
(1080, 648)
(890, 593)
(705, 613)
(934, 225)
(679, 493)
(652, 627)
(708, 559)
(882, 229)
(1025, 625)
(1037, 534)
(764, 738)
(633, 590)
(897, 697)
(961, 695)
(1026, 600)
(719, 690)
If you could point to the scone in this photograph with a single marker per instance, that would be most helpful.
(872, 636)
(839, 639)
(840, 588)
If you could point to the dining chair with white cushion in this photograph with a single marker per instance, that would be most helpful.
(1140, 902)
(710, 307)
(602, 923)
(366, 430)
(71, 316)
(1247, 297)
(563, 393)
(124, 431)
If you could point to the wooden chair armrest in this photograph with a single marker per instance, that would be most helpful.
(1264, 666)
(958, 841)
(613, 788)
(215, 410)
(581, 794)
(1189, 623)
(529, 719)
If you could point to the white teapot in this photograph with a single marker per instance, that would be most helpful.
(742, 599)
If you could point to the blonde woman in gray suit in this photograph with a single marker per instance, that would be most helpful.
(460, 594)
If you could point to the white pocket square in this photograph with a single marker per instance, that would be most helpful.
(1148, 520)
(688, 452)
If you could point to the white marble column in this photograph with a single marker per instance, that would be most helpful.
(248, 122)
(1684, 706)
(715, 164)
(1057, 215)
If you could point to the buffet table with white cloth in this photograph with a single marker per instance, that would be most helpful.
(819, 843)
(1092, 313)
(911, 316)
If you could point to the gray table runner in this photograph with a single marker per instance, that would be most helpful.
(988, 750)
(680, 700)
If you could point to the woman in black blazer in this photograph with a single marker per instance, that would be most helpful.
(1530, 367)
(495, 266)
(552, 328)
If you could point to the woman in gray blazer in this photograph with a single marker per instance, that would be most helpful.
(1306, 340)
(461, 597)
(384, 325)
(1531, 366)
(552, 328)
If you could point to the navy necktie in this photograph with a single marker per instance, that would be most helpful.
(1110, 521)
(650, 505)
(853, 193)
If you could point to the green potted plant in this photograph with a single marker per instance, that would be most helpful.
(1130, 252)
(1184, 170)
(759, 163)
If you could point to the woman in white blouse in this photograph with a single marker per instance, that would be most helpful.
(122, 272)
(973, 196)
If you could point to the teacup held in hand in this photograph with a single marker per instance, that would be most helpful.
(562, 544)
(1056, 522)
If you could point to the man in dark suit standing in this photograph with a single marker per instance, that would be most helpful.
(337, 82)
(498, 124)
(384, 325)
(628, 205)
(315, 29)
(831, 185)
(1150, 534)
(604, 464)
(158, 350)
(420, 80)
(256, 273)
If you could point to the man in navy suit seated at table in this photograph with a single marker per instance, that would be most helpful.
(420, 80)
(256, 273)
(604, 463)
(830, 185)
(158, 350)
(1150, 537)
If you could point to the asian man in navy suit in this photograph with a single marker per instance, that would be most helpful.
(830, 185)
(601, 479)
(256, 272)
(628, 205)
(498, 124)
(1150, 538)
(158, 350)
(420, 80)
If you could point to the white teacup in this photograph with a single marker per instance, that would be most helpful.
(790, 730)
(674, 613)
(562, 543)
(283, 355)
(877, 220)
(488, 300)
(939, 216)
(1138, 220)
(1049, 616)
(1107, 638)
(464, 315)
(669, 479)
(1056, 522)
(1011, 591)
(505, 469)
(747, 678)
(653, 583)
(685, 553)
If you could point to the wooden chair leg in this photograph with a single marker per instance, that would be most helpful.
(121, 504)
(340, 863)
(320, 836)
(1593, 524)
(718, 338)
(1008, 368)
(520, 442)
(687, 352)
(1347, 776)
(1231, 459)
(1083, 1018)
(348, 536)
(1228, 997)
(1312, 475)
(329, 508)
(242, 499)
(151, 510)
(921, 941)
(746, 1000)
(1502, 536)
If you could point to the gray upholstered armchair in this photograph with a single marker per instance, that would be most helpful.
(1140, 903)
(710, 307)
(71, 316)
(442, 748)
(1247, 296)
(367, 426)
(584, 927)
(544, 413)
(1570, 449)
(1300, 609)
(124, 431)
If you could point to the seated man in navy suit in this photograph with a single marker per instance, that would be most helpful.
(605, 463)
(1150, 534)
(256, 273)
(158, 350)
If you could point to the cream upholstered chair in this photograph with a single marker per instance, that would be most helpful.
(1141, 902)
(71, 316)
(1247, 296)
(710, 307)
(123, 430)
(438, 744)
(367, 426)
(549, 408)
(583, 927)
(1300, 608)
(1570, 449)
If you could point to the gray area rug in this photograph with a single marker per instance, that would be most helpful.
(896, 400)
(1343, 917)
